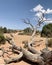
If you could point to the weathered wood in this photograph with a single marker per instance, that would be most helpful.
(33, 57)
(47, 55)
(11, 42)
(13, 59)
(32, 49)
(3, 51)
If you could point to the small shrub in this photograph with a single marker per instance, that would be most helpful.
(2, 39)
(50, 43)
(27, 31)
(20, 34)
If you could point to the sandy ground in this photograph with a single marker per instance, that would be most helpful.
(18, 41)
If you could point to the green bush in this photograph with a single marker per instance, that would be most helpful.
(50, 43)
(2, 39)
(26, 31)
(47, 30)
(5, 30)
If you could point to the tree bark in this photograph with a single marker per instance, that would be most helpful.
(13, 59)
(30, 48)
(47, 55)
(33, 57)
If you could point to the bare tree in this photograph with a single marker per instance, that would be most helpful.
(42, 57)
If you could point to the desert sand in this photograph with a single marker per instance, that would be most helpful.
(18, 41)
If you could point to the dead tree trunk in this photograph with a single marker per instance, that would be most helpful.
(31, 54)
(33, 57)
(13, 48)
(13, 59)
(30, 48)
(13, 44)
(47, 55)
(40, 58)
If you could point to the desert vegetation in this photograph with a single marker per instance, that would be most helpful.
(2, 31)
(26, 31)
(5, 30)
(47, 30)
(50, 43)
(2, 39)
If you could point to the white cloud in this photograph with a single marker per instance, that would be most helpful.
(49, 11)
(48, 21)
(39, 14)
(38, 8)
(43, 11)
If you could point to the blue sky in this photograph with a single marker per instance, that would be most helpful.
(12, 11)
